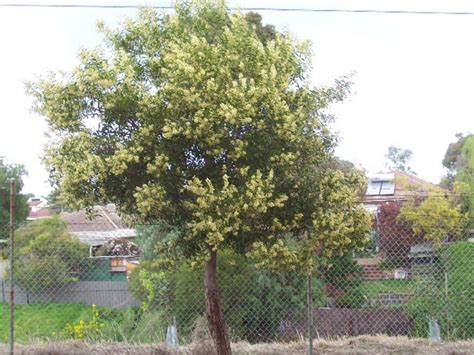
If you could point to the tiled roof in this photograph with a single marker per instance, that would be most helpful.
(103, 219)
(105, 224)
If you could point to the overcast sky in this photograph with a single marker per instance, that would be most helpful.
(413, 87)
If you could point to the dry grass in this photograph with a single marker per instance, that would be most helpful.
(356, 345)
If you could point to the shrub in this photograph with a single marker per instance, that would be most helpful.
(343, 276)
(450, 303)
(89, 330)
(133, 325)
(255, 301)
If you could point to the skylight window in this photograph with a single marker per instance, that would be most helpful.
(380, 188)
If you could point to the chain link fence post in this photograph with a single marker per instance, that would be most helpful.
(11, 338)
(310, 315)
(309, 293)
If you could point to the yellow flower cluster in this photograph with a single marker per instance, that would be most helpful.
(218, 213)
(85, 330)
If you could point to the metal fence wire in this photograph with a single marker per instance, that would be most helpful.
(99, 285)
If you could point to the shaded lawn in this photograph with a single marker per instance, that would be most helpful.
(371, 289)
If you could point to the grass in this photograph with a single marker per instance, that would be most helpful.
(40, 321)
(371, 289)
(44, 322)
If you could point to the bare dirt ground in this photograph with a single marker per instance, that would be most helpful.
(356, 345)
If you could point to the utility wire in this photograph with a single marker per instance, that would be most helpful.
(273, 9)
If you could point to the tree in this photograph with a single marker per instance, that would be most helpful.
(436, 216)
(8, 172)
(459, 163)
(452, 160)
(399, 159)
(55, 204)
(395, 235)
(192, 120)
(264, 33)
(47, 256)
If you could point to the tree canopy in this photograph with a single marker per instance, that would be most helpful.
(191, 119)
(459, 163)
(452, 160)
(8, 172)
(437, 215)
(196, 120)
(47, 256)
(399, 159)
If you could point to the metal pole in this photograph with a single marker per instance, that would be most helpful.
(310, 316)
(11, 339)
(446, 295)
(309, 293)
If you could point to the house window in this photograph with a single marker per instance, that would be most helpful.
(380, 188)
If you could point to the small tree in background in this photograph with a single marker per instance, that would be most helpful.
(47, 256)
(193, 120)
(8, 172)
(399, 159)
(459, 163)
(436, 216)
(395, 236)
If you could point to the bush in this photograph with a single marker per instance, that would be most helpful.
(343, 276)
(460, 270)
(254, 301)
(453, 305)
(90, 330)
(132, 325)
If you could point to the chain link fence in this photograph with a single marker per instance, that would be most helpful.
(103, 286)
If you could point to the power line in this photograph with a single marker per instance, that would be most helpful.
(261, 9)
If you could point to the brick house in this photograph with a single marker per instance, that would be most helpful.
(394, 186)
(383, 188)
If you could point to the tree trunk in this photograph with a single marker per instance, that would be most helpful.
(215, 318)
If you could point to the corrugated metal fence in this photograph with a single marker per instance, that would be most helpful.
(101, 293)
